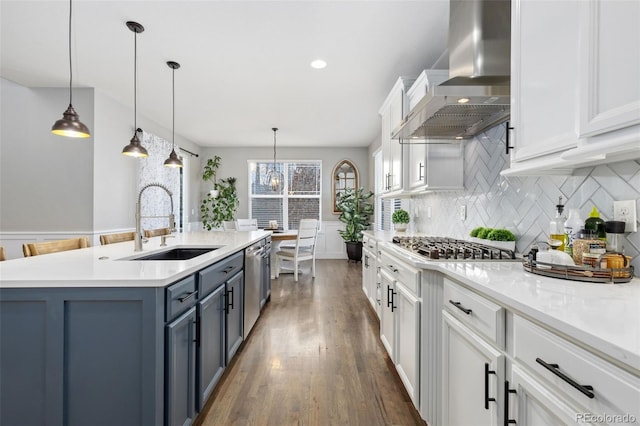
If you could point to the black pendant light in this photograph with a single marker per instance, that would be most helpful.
(276, 177)
(70, 125)
(173, 160)
(135, 148)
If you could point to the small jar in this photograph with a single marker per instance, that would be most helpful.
(591, 260)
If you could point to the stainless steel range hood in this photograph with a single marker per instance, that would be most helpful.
(477, 95)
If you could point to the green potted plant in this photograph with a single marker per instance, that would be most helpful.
(223, 207)
(400, 219)
(356, 207)
(500, 237)
(209, 174)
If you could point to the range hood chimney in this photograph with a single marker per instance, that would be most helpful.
(477, 94)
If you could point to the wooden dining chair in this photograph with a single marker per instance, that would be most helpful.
(117, 238)
(156, 232)
(46, 247)
(305, 248)
(3, 256)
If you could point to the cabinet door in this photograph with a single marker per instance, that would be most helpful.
(234, 309)
(180, 372)
(417, 164)
(472, 377)
(387, 152)
(534, 404)
(366, 272)
(387, 321)
(265, 283)
(544, 76)
(610, 65)
(211, 342)
(408, 341)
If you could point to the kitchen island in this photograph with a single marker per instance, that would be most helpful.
(90, 336)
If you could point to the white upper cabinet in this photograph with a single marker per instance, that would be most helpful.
(575, 86)
(432, 165)
(392, 112)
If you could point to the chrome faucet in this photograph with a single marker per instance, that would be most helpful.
(171, 216)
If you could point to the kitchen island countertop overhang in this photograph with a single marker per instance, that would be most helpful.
(111, 265)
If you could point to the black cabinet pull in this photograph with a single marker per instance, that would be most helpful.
(230, 305)
(228, 269)
(188, 296)
(507, 146)
(421, 171)
(487, 399)
(507, 391)
(555, 369)
(393, 268)
(366, 261)
(459, 306)
(196, 333)
(393, 300)
(389, 302)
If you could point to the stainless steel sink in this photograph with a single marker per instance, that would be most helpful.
(179, 253)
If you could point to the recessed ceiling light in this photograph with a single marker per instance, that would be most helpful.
(318, 64)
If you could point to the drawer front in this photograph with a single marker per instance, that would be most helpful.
(211, 277)
(400, 271)
(180, 297)
(475, 311)
(572, 370)
(369, 244)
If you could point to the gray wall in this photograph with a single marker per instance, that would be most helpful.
(50, 183)
(524, 204)
(46, 181)
(234, 163)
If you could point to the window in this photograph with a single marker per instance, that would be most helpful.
(299, 195)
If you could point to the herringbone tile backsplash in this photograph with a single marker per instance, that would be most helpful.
(525, 205)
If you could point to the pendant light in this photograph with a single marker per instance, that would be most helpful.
(173, 160)
(70, 125)
(276, 177)
(135, 148)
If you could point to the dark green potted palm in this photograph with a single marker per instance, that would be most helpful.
(356, 208)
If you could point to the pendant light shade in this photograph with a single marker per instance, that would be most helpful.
(276, 177)
(70, 125)
(173, 160)
(135, 148)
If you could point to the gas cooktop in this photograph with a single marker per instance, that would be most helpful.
(442, 248)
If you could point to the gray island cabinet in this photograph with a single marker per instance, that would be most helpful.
(120, 355)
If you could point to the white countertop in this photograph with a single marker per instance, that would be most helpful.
(605, 317)
(106, 266)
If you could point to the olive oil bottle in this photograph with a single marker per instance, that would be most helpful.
(556, 227)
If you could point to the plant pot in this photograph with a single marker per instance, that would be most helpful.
(400, 227)
(354, 250)
(214, 193)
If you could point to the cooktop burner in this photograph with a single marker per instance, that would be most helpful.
(452, 249)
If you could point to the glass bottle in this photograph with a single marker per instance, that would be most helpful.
(556, 227)
(572, 228)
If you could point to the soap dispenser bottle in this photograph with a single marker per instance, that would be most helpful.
(556, 227)
(596, 224)
(572, 227)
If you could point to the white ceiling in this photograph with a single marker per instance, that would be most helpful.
(245, 64)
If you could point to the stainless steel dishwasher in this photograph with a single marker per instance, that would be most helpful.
(253, 267)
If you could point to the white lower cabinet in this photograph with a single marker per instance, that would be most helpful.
(560, 383)
(407, 358)
(387, 319)
(473, 371)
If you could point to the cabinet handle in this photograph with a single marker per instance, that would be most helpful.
(555, 369)
(487, 400)
(228, 269)
(230, 305)
(196, 333)
(389, 297)
(393, 300)
(366, 261)
(507, 146)
(188, 296)
(507, 391)
(420, 171)
(459, 306)
(393, 268)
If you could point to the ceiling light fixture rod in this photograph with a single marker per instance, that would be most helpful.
(135, 148)
(173, 160)
(70, 125)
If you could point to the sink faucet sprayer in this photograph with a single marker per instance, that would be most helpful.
(171, 216)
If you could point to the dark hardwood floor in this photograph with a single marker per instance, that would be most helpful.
(313, 358)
